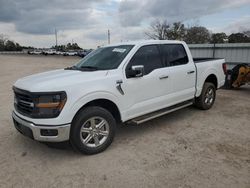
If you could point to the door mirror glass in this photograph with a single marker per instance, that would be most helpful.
(137, 71)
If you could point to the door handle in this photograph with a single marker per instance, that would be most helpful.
(163, 77)
(190, 72)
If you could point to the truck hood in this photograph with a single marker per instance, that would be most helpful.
(57, 80)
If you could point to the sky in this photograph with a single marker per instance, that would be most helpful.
(33, 22)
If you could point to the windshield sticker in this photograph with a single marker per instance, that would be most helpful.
(120, 50)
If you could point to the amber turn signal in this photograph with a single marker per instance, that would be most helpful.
(58, 105)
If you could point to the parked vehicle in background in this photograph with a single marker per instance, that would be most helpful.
(49, 52)
(35, 52)
(70, 53)
(83, 53)
(59, 53)
(129, 82)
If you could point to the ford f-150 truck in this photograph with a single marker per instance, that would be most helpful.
(130, 82)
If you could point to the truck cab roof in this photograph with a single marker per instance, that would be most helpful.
(146, 42)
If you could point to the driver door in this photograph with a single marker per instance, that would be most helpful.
(148, 92)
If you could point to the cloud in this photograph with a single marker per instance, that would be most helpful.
(33, 22)
(42, 17)
(133, 13)
(239, 25)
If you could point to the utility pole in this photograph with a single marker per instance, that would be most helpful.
(108, 37)
(56, 36)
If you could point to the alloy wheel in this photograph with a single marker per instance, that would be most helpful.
(94, 132)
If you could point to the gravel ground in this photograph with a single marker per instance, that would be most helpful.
(187, 148)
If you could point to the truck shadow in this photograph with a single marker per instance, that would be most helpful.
(126, 132)
(166, 121)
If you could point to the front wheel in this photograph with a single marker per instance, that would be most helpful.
(92, 130)
(206, 100)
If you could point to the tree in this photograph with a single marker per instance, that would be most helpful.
(158, 30)
(197, 35)
(3, 39)
(161, 30)
(75, 46)
(218, 38)
(238, 38)
(10, 46)
(18, 47)
(59, 48)
(69, 46)
(176, 31)
(247, 33)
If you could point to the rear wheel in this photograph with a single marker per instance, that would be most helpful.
(206, 100)
(92, 130)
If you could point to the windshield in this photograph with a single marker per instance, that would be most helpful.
(105, 58)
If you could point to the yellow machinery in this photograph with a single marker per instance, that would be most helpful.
(238, 76)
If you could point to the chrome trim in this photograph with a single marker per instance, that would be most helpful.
(31, 104)
(63, 130)
(119, 86)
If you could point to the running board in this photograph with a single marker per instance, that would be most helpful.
(152, 115)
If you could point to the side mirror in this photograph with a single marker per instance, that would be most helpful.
(137, 70)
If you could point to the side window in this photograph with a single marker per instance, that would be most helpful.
(148, 56)
(175, 54)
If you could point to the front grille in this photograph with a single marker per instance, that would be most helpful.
(24, 103)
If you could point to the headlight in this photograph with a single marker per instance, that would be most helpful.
(49, 105)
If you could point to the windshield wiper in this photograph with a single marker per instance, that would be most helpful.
(83, 68)
(89, 67)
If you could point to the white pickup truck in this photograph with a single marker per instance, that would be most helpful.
(129, 82)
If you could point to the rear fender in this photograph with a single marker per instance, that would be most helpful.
(202, 78)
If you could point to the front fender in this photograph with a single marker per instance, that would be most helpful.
(78, 104)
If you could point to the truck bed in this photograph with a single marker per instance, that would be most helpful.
(200, 60)
(203, 67)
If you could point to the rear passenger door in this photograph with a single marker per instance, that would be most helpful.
(182, 72)
(147, 93)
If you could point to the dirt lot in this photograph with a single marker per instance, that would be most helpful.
(188, 148)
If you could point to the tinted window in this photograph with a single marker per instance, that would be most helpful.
(148, 56)
(175, 54)
(106, 57)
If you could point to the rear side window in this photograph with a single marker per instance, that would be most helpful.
(175, 54)
(148, 56)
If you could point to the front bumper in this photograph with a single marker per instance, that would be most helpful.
(36, 132)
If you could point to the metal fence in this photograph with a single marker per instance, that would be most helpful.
(233, 53)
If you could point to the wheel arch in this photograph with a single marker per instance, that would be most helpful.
(209, 76)
(212, 78)
(104, 103)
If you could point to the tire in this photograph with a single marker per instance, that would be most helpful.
(206, 100)
(92, 130)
